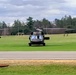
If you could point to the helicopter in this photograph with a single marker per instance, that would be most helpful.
(37, 38)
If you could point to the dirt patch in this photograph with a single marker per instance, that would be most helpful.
(37, 62)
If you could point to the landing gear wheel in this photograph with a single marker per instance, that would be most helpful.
(43, 44)
(29, 44)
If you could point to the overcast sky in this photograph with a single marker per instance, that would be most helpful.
(11, 10)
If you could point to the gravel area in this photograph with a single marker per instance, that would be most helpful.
(37, 62)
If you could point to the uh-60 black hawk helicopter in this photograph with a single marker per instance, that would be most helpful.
(37, 38)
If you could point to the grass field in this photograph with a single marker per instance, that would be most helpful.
(51, 69)
(57, 42)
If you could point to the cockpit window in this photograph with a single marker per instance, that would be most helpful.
(40, 37)
(33, 37)
(36, 37)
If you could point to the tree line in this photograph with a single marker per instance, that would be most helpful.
(30, 25)
(66, 22)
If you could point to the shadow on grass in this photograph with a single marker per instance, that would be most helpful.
(50, 45)
(34, 45)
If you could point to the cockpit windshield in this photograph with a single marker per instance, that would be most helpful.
(34, 37)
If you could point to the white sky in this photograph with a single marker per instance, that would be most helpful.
(11, 10)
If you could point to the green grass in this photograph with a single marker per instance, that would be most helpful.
(56, 43)
(53, 69)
